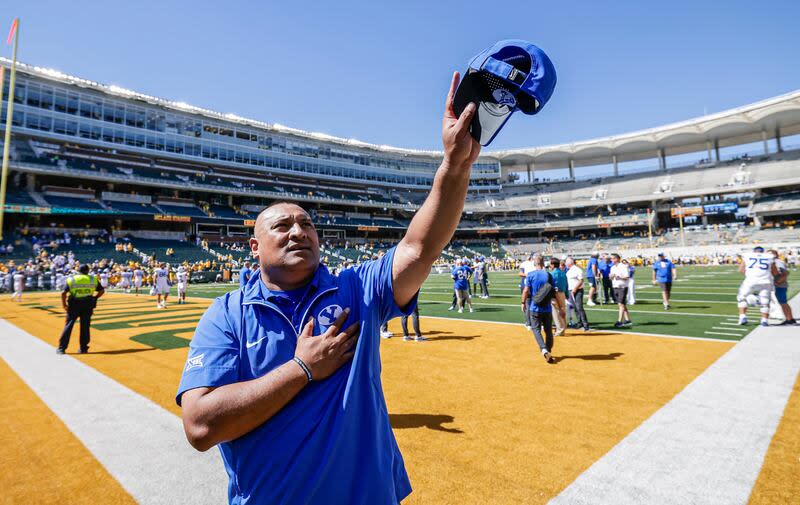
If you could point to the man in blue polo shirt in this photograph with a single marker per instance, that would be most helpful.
(244, 274)
(284, 374)
(664, 274)
(541, 312)
(604, 267)
(592, 274)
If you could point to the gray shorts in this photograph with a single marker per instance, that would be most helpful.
(462, 294)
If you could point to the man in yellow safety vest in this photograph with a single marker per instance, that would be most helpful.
(79, 299)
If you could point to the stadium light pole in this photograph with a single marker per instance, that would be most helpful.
(9, 116)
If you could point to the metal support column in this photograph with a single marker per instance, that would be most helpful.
(616, 165)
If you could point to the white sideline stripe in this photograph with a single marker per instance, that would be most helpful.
(594, 331)
(140, 444)
(730, 322)
(721, 333)
(726, 328)
(707, 445)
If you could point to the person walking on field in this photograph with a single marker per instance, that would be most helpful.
(525, 268)
(538, 294)
(576, 291)
(593, 276)
(79, 299)
(664, 274)
(461, 277)
(781, 288)
(620, 276)
(415, 323)
(559, 299)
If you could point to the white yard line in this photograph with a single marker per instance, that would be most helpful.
(707, 445)
(579, 332)
(632, 310)
(140, 444)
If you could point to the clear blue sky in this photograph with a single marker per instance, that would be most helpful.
(378, 71)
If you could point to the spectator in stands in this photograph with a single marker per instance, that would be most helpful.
(620, 276)
(781, 288)
(592, 275)
(559, 299)
(335, 425)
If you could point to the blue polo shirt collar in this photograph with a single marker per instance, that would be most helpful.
(252, 292)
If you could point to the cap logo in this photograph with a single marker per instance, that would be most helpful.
(504, 97)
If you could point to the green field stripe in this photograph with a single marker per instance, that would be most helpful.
(632, 310)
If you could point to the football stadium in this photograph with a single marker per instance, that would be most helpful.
(661, 367)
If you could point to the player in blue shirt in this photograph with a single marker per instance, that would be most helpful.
(604, 267)
(664, 274)
(541, 313)
(244, 274)
(284, 374)
(592, 274)
(461, 275)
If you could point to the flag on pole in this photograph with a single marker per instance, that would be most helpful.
(12, 31)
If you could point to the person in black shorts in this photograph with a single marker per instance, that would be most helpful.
(620, 276)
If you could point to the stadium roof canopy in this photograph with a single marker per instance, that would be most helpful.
(760, 121)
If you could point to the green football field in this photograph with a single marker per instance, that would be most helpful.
(703, 303)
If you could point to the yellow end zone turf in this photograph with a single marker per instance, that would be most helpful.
(41, 461)
(479, 416)
(779, 480)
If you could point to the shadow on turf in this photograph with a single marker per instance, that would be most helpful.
(120, 351)
(447, 335)
(592, 357)
(430, 421)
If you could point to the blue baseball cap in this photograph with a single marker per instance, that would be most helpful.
(508, 76)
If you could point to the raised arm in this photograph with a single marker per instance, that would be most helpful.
(434, 223)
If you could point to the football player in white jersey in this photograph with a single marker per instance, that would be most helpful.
(161, 285)
(138, 278)
(125, 280)
(183, 281)
(19, 284)
(759, 271)
(104, 275)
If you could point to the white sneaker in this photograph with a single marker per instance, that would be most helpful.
(527, 327)
(590, 303)
(460, 311)
(386, 334)
(471, 310)
(451, 308)
(742, 321)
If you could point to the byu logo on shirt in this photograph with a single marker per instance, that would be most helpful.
(504, 97)
(328, 315)
(195, 362)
